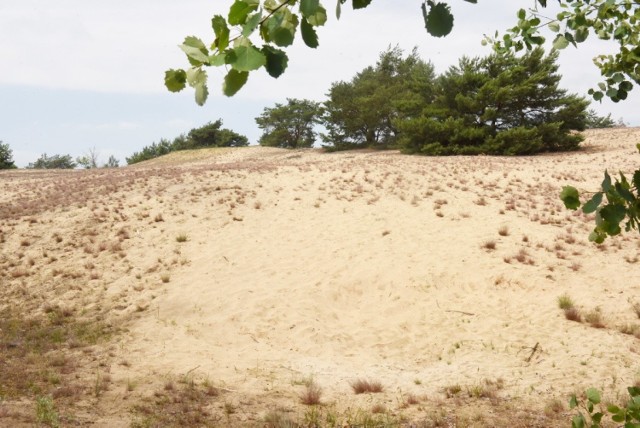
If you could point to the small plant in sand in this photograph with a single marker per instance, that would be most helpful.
(182, 237)
(311, 395)
(489, 245)
(503, 231)
(165, 277)
(591, 412)
(46, 412)
(362, 386)
(573, 314)
(565, 302)
(636, 308)
(594, 318)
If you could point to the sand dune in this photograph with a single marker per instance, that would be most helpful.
(423, 274)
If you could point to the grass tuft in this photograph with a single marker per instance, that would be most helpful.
(361, 386)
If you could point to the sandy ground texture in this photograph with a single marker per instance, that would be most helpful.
(228, 287)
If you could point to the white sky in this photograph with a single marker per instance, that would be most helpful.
(77, 74)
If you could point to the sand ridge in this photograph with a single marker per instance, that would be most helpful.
(418, 272)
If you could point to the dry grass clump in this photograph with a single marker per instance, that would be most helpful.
(573, 314)
(489, 245)
(503, 231)
(181, 405)
(311, 395)
(636, 308)
(594, 318)
(362, 386)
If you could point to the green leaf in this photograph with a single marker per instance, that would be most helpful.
(221, 31)
(240, 10)
(593, 203)
(570, 197)
(625, 193)
(276, 61)
(606, 183)
(612, 215)
(598, 95)
(309, 35)
(560, 42)
(618, 417)
(196, 76)
(234, 81)
(360, 4)
(309, 7)
(613, 408)
(196, 51)
(246, 58)
(573, 402)
(554, 26)
(439, 20)
(319, 18)
(202, 93)
(251, 24)
(283, 36)
(175, 80)
(581, 34)
(593, 395)
(522, 14)
(218, 60)
(597, 236)
(338, 10)
(636, 180)
(577, 421)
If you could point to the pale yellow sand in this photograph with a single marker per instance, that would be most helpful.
(344, 266)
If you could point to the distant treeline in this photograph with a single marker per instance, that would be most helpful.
(499, 105)
(209, 135)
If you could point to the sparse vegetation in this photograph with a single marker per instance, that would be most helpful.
(565, 302)
(362, 386)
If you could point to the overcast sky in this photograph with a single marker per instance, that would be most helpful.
(78, 74)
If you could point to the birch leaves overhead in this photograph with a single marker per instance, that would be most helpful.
(255, 33)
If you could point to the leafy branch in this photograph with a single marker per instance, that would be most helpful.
(622, 202)
(606, 19)
(275, 24)
(590, 411)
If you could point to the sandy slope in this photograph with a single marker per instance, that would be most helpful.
(339, 267)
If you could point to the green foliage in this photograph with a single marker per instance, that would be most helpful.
(89, 160)
(622, 203)
(594, 121)
(53, 162)
(500, 104)
(361, 112)
(290, 125)
(591, 414)
(608, 20)
(6, 156)
(209, 135)
(112, 162)
(274, 23)
(46, 413)
(261, 27)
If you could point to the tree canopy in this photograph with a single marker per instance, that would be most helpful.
(209, 135)
(53, 162)
(500, 104)
(6, 156)
(363, 111)
(289, 125)
(262, 29)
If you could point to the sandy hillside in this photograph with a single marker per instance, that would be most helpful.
(217, 287)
